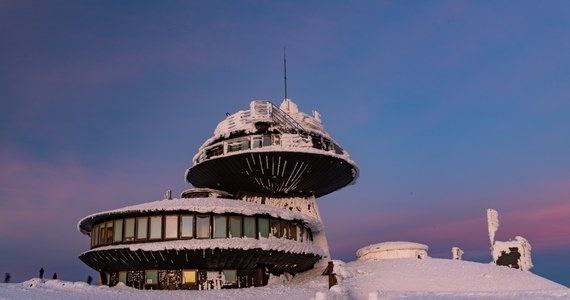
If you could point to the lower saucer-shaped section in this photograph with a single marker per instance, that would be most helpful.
(249, 265)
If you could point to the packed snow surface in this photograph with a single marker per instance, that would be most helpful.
(384, 279)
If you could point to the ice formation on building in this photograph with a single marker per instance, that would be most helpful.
(515, 253)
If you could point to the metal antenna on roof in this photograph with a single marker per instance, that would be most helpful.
(285, 69)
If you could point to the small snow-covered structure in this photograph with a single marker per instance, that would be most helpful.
(514, 254)
(393, 250)
(456, 253)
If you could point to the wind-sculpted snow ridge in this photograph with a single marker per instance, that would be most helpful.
(428, 278)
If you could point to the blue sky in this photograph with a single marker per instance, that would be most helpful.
(448, 108)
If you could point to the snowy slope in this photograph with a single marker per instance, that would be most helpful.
(384, 279)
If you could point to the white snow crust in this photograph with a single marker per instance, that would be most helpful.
(384, 279)
(211, 205)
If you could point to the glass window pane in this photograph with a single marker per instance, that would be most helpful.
(235, 226)
(123, 277)
(102, 234)
(249, 227)
(230, 276)
(155, 227)
(186, 226)
(171, 230)
(109, 232)
(301, 233)
(129, 229)
(151, 277)
(285, 229)
(275, 228)
(220, 226)
(189, 277)
(118, 235)
(294, 232)
(203, 227)
(263, 224)
(142, 226)
(96, 236)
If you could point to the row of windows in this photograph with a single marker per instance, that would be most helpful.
(189, 277)
(244, 143)
(172, 227)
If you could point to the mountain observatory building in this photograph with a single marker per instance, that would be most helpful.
(252, 210)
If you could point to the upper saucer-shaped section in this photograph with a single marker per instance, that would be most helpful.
(275, 150)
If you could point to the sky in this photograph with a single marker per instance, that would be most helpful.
(447, 107)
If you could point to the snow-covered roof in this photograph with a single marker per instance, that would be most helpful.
(266, 244)
(390, 250)
(202, 205)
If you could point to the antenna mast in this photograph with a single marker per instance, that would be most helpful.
(285, 69)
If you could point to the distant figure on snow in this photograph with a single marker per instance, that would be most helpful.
(42, 273)
(7, 278)
(54, 277)
(89, 279)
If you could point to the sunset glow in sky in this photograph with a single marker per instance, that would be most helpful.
(447, 107)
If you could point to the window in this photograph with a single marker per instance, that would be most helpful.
(230, 276)
(118, 235)
(203, 227)
(109, 232)
(129, 229)
(293, 235)
(285, 229)
(275, 139)
(123, 277)
(95, 235)
(263, 227)
(151, 277)
(171, 227)
(235, 226)
(102, 234)
(155, 228)
(186, 226)
(249, 227)
(189, 277)
(142, 226)
(256, 142)
(275, 228)
(220, 226)
(301, 233)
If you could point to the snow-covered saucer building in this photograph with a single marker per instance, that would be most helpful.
(252, 211)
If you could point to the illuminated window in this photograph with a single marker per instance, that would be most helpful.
(263, 227)
(220, 226)
(155, 227)
(171, 227)
(95, 234)
(186, 226)
(230, 276)
(151, 277)
(249, 227)
(203, 227)
(129, 229)
(118, 235)
(235, 226)
(142, 226)
(189, 277)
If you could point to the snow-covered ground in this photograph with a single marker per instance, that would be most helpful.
(384, 279)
